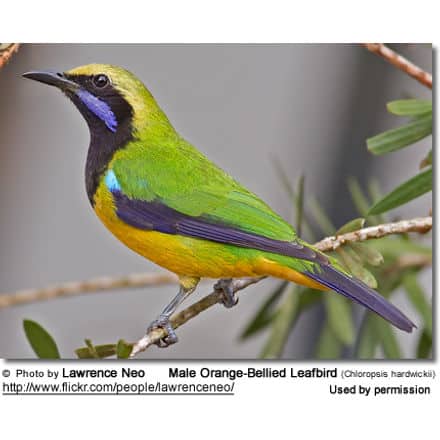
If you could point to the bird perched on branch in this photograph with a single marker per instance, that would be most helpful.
(166, 201)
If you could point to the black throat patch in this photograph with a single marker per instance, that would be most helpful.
(104, 142)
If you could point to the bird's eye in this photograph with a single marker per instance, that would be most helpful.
(100, 81)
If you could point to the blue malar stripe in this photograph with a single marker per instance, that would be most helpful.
(99, 108)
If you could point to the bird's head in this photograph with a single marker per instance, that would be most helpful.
(109, 97)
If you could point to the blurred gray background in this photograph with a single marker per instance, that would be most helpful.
(311, 106)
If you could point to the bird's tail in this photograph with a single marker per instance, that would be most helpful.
(325, 276)
(359, 292)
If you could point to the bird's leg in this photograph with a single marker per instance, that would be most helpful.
(187, 286)
(225, 285)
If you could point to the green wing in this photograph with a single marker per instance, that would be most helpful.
(178, 175)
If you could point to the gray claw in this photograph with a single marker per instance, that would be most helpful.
(225, 286)
(163, 322)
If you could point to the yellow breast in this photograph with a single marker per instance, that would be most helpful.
(181, 255)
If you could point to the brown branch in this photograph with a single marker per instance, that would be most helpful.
(81, 287)
(7, 52)
(156, 279)
(153, 336)
(407, 261)
(401, 63)
(421, 225)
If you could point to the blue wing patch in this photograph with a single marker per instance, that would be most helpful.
(111, 181)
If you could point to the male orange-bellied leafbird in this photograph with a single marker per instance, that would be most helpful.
(166, 201)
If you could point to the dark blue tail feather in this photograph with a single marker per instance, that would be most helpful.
(358, 291)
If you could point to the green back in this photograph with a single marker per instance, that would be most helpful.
(171, 170)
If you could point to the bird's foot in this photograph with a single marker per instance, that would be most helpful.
(227, 290)
(163, 322)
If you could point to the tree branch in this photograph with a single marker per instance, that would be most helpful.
(7, 52)
(407, 261)
(89, 286)
(421, 225)
(401, 63)
(153, 336)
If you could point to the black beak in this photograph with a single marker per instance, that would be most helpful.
(53, 79)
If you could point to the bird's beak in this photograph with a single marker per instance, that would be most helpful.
(53, 79)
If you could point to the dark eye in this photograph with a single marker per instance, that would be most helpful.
(100, 81)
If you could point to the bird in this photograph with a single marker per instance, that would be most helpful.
(165, 200)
